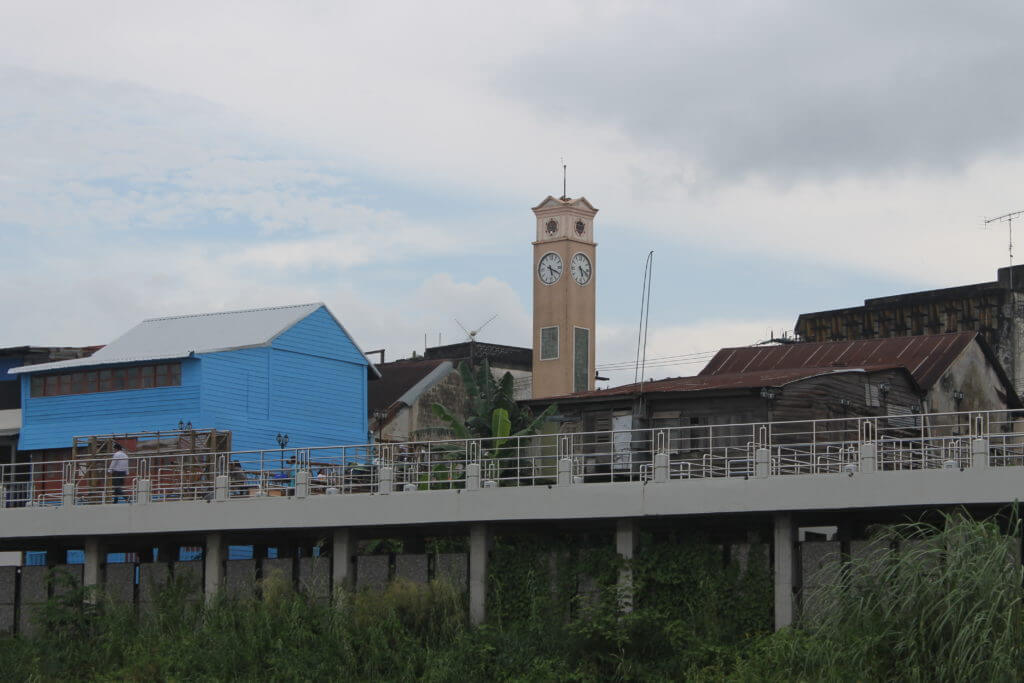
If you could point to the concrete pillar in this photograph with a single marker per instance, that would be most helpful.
(342, 549)
(214, 555)
(625, 546)
(564, 472)
(784, 543)
(868, 457)
(979, 453)
(220, 488)
(473, 476)
(302, 484)
(94, 557)
(762, 463)
(145, 491)
(478, 548)
(68, 495)
(660, 468)
(387, 480)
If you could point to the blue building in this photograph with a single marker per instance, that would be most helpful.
(255, 373)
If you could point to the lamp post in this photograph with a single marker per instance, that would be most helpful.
(282, 441)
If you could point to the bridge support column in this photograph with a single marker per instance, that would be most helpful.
(784, 543)
(479, 542)
(625, 546)
(214, 555)
(342, 545)
(94, 557)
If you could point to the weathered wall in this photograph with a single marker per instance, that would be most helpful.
(972, 374)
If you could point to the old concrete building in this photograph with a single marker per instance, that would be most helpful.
(791, 383)
(994, 309)
(957, 371)
(400, 401)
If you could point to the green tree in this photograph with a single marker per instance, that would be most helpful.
(492, 412)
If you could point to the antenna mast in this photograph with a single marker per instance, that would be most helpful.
(564, 193)
(1008, 219)
(641, 333)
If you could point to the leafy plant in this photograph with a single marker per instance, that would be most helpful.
(493, 412)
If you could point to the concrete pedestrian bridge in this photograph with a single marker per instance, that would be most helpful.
(769, 478)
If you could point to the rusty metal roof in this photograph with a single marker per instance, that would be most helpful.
(926, 356)
(754, 379)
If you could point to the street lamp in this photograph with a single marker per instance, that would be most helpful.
(282, 441)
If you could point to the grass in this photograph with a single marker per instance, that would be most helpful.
(935, 602)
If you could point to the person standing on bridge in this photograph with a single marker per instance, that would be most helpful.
(118, 470)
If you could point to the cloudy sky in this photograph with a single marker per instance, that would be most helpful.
(169, 158)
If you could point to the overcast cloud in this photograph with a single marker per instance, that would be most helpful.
(778, 157)
(795, 90)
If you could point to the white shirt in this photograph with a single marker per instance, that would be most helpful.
(119, 462)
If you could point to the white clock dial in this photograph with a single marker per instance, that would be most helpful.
(549, 268)
(581, 268)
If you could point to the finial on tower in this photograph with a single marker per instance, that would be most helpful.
(563, 180)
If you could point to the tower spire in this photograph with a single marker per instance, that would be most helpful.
(564, 193)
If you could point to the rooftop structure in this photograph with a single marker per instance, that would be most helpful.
(993, 309)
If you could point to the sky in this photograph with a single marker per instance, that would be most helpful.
(778, 158)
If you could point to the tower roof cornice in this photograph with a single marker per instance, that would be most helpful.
(554, 203)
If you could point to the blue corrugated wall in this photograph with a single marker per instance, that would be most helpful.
(309, 383)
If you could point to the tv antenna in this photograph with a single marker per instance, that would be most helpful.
(471, 334)
(1008, 219)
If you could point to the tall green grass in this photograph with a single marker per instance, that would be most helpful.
(933, 602)
(928, 602)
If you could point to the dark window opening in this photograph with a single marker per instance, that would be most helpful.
(131, 377)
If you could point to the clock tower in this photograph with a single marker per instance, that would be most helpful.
(564, 300)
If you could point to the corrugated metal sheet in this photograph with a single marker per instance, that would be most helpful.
(739, 380)
(925, 356)
(180, 336)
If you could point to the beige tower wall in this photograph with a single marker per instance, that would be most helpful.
(564, 304)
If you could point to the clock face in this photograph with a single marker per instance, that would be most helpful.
(549, 268)
(551, 227)
(581, 268)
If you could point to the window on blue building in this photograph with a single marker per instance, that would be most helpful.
(117, 379)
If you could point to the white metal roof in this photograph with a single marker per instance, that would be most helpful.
(183, 335)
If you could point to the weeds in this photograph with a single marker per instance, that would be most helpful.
(933, 602)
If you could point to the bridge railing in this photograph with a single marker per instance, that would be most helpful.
(755, 450)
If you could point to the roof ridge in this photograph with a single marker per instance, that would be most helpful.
(244, 310)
